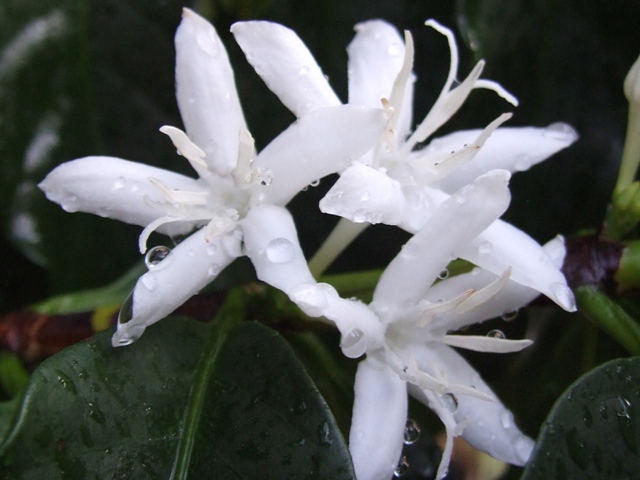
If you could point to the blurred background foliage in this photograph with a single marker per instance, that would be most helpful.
(86, 77)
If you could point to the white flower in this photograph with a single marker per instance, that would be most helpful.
(395, 182)
(232, 184)
(405, 333)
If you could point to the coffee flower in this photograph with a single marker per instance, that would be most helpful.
(397, 182)
(233, 181)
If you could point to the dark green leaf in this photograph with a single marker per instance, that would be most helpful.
(593, 431)
(159, 406)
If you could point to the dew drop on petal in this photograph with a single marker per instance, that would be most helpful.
(496, 334)
(402, 468)
(509, 316)
(156, 255)
(149, 281)
(563, 295)
(365, 196)
(119, 184)
(208, 43)
(394, 50)
(315, 183)
(280, 250)
(560, 131)
(213, 270)
(443, 274)
(451, 401)
(506, 419)
(70, 203)
(354, 343)
(211, 250)
(523, 447)
(485, 247)
(411, 432)
(304, 70)
(126, 311)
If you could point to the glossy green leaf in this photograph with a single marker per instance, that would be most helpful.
(593, 431)
(181, 401)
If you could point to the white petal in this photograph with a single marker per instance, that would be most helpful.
(502, 246)
(513, 149)
(364, 194)
(320, 143)
(379, 418)
(271, 242)
(453, 224)
(114, 188)
(488, 425)
(479, 343)
(206, 92)
(189, 267)
(376, 55)
(285, 64)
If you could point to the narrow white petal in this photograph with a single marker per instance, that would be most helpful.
(285, 64)
(502, 246)
(453, 224)
(189, 267)
(271, 242)
(488, 425)
(379, 417)
(479, 343)
(320, 143)
(513, 149)
(206, 92)
(113, 188)
(364, 194)
(376, 55)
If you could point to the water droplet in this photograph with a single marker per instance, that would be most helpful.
(496, 334)
(156, 255)
(394, 50)
(360, 216)
(119, 184)
(623, 407)
(135, 187)
(213, 270)
(206, 40)
(411, 432)
(280, 250)
(509, 316)
(560, 131)
(211, 250)
(70, 203)
(451, 401)
(523, 447)
(365, 196)
(324, 434)
(485, 247)
(506, 419)
(443, 274)
(315, 183)
(522, 162)
(304, 70)
(354, 343)
(96, 414)
(149, 281)
(402, 468)
(311, 298)
(564, 296)
(587, 417)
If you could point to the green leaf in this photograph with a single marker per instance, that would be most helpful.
(593, 431)
(228, 406)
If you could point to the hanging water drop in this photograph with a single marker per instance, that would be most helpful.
(496, 334)
(509, 316)
(354, 343)
(70, 203)
(560, 131)
(156, 255)
(411, 432)
(280, 250)
(402, 468)
(443, 274)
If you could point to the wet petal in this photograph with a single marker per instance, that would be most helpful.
(512, 149)
(364, 194)
(285, 64)
(271, 242)
(114, 188)
(488, 425)
(189, 267)
(379, 417)
(376, 55)
(502, 246)
(302, 153)
(453, 224)
(206, 92)
(479, 343)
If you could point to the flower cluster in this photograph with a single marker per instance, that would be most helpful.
(448, 193)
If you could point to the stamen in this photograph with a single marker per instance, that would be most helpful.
(180, 197)
(149, 229)
(185, 146)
